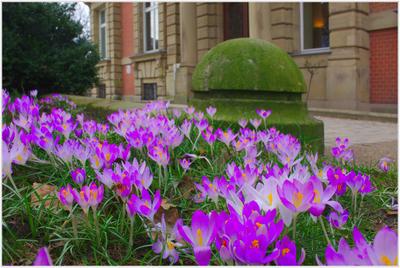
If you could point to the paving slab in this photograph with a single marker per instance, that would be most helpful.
(370, 140)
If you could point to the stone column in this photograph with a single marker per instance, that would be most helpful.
(114, 48)
(282, 25)
(188, 49)
(348, 64)
(259, 21)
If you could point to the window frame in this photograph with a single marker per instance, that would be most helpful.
(309, 50)
(152, 8)
(103, 25)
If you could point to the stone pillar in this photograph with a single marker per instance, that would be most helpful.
(114, 48)
(259, 21)
(188, 40)
(348, 64)
(188, 33)
(282, 25)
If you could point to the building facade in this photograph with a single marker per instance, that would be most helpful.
(346, 51)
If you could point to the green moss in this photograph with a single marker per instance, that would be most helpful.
(287, 117)
(248, 64)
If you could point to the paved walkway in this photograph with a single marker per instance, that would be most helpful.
(370, 140)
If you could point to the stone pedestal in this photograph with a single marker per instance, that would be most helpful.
(241, 75)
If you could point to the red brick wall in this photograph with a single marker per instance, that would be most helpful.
(128, 79)
(376, 7)
(383, 61)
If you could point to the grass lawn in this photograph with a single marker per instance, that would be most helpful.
(33, 216)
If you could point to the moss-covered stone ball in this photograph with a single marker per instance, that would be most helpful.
(248, 64)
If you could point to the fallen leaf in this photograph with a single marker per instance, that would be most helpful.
(165, 205)
(391, 212)
(44, 192)
(186, 186)
(171, 214)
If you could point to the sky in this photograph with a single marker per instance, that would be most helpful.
(82, 15)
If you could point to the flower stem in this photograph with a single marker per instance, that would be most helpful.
(324, 230)
(96, 223)
(359, 207)
(355, 203)
(74, 228)
(333, 235)
(159, 176)
(131, 232)
(294, 227)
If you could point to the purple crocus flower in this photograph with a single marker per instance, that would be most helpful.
(201, 124)
(211, 111)
(206, 188)
(145, 206)
(226, 136)
(251, 249)
(322, 198)
(200, 236)
(6, 100)
(199, 115)
(250, 235)
(33, 93)
(337, 220)
(186, 127)
(176, 112)
(209, 136)
(288, 253)
(43, 258)
(342, 151)
(131, 208)
(78, 175)
(338, 179)
(166, 241)
(189, 110)
(383, 250)
(135, 138)
(384, 163)
(90, 127)
(159, 154)
(242, 122)
(263, 113)
(354, 182)
(106, 177)
(89, 196)
(65, 196)
(142, 176)
(185, 163)
(108, 153)
(255, 122)
(366, 186)
(296, 196)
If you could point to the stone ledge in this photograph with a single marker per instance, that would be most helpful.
(382, 20)
(359, 115)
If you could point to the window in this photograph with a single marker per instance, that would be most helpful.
(149, 91)
(150, 26)
(314, 26)
(236, 22)
(101, 91)
(102, 34)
